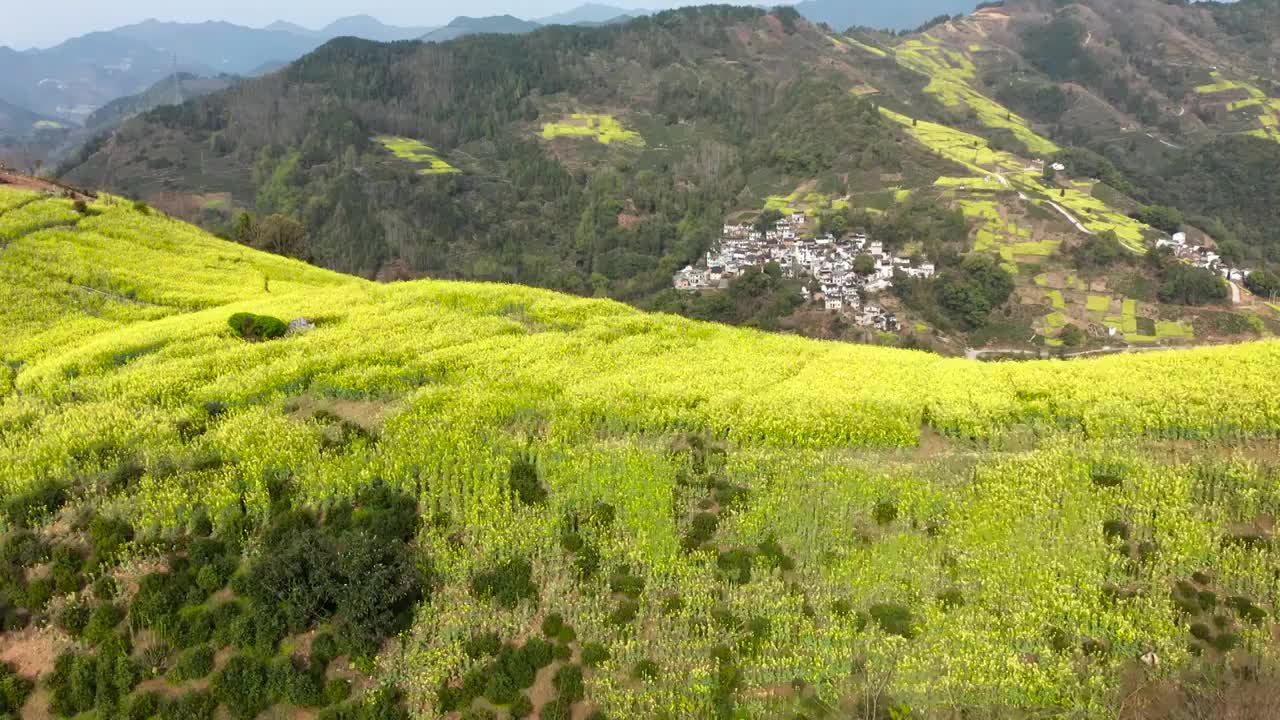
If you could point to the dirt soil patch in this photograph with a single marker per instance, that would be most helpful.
(33, 651)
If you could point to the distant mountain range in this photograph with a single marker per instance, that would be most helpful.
(896, 15)
(463, 26)
(361, 26)
(592, 14)
(73, 79)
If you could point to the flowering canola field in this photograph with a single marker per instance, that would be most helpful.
(834, 523)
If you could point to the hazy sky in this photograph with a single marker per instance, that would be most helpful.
(37, 24)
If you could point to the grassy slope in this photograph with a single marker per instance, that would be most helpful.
(452, 380)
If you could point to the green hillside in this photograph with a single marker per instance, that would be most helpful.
(451, 497)
(602, 161)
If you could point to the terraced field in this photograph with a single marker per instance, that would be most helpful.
(1250, 103)
(415, 151)
(604, 129)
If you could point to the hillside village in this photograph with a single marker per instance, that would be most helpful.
(844, 270)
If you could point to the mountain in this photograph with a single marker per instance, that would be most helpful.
(609, 161)
(476, 488)
(370, 28)
(284, 26)
(224, 47)
(463, 26)
(592, 14)
(19, 122)
(173, 90)
(72, 79)
(898, 15)
(79, 76)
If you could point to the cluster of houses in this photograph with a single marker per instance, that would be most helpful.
(829, 262)
(1201, 257)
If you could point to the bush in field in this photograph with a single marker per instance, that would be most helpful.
(14, 690)
(506, 583)
(241, 686)
(594, 654)
(195, 705)
(257, 328)
(568, 683)
(192, 664)
(893, 619)
(359, 574)
(37, 504)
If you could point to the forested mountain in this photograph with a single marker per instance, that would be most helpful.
(601, 161)
(173, 90)
(1182, 98)
(723, 104)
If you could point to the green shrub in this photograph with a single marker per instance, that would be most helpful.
(522, 707)
(886, 511)
(568, 683)
(39, 592)
(257, 328)
(625, 613)
(36, 504)
(553, 625)
(645, 670)
(292, 682)
(893, 619)
(73, 684)
(191, 627)
(499, 688)
(507, 583)
(773, 555)
(24, 548)
(195, 705)
(74, 618)
(192, 664)
(701, 529)
(623, 582)
(950, 599)
(105, 588)
(142, 706)
(484, 644)
(557, 709)
(241, 686)
(337, 690)
(736, 565)
(323, 651)
(594, 654)
(102, 622)
(14, 690)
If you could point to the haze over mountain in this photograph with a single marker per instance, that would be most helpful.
(463, 26)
